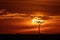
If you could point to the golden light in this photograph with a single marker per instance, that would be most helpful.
(37, 21)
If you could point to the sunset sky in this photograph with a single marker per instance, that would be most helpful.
(49, 6)
(16, 16)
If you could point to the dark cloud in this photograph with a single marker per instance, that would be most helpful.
(49, 6)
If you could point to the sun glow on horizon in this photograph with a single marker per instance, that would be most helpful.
(36, 21)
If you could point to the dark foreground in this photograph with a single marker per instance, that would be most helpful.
(30, 36)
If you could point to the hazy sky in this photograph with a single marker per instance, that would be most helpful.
(37, 7)
(49, 6)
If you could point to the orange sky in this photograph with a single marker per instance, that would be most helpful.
(16, 16)
(24, 26)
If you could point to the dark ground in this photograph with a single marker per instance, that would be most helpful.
(30, 36)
